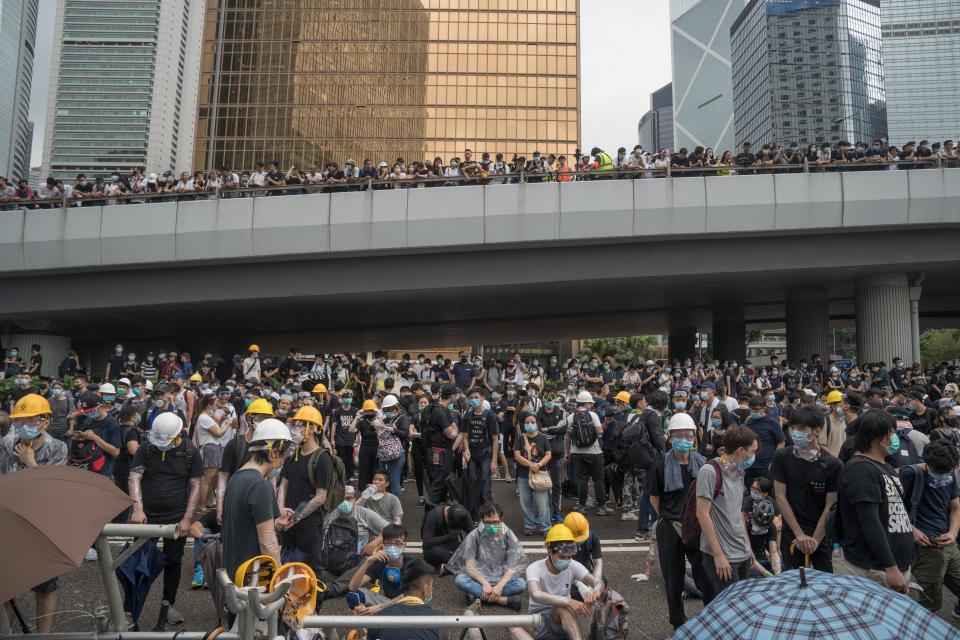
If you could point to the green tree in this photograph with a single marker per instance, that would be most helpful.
(627, 349)
(938, 345)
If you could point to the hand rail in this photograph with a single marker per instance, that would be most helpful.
(424, 622)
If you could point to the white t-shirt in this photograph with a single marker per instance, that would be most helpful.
(231, 414)
(251, 368)
(595, 447)
(731, 403)
(204, 422)
(558, 584)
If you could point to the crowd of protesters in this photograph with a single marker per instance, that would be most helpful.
(276, 179)
(787, 463)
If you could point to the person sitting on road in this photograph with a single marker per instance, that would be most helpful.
(489, 559)
(442, 531)
(385, 566)
(417, 579)
(548, 584)
(589, 553)
(369, 526)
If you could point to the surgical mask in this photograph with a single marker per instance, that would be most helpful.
(894, 444)
(756, 495)
(56, 392)
(121, 392)
(296, 433)
(389, 414)
(680, 404)
(716, 422)
(771, 398)
(246, 402)
(393, 552)
(119, 349)
(530, 427)
(264, 393)
(164, 447)
(682, 446)
(561, 565)
(939, 480)
(14, 354)
(476, 403)
(491, 529)
(346, 401)
(548, 404)
(452, 406)
(511, 393)
(345, 507)
(801, 439)
(704, 395)
(23, 382)
(746, 464)
(28, 432)
(132, 357)
(109, 399)
(755, 415)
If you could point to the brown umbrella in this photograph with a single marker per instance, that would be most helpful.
(49, 517)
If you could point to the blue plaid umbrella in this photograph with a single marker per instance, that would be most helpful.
(826, 607)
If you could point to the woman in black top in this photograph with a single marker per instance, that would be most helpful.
(367, 422)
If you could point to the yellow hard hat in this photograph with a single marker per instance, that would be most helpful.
(301, 599)
(309, 414)
(319, 388)
(195, 378)
(253, 347)
(834, 396)
(578, 525)
(369, 405)
(623, 397)
(31, 405)
(255, 572)
(559, 533)
(260, 405)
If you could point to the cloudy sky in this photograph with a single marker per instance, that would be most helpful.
(625, 56)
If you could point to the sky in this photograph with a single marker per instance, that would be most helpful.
(624, 57)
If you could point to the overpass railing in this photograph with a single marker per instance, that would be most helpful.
(521, 177)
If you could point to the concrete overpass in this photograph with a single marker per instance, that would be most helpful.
(475, 264)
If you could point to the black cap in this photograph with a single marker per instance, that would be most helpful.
(88, 400)
(447, 390)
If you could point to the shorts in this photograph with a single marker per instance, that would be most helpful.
(49, 586)
(551, 628)
(211, 452)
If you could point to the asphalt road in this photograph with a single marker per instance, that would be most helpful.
(81, 593)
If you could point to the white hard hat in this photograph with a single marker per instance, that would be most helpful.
(269, 430)
(681, 422)
(389, 401)
(107, 388)
(165, 428)
(649, 363)
(148, 384)
(125, 381)
(584, 397)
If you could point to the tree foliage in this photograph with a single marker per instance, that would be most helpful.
(623, 350)
(939, 345)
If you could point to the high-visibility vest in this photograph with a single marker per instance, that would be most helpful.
(563, 174)
(604, 162)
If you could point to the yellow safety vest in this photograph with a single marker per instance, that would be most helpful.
(604, 162)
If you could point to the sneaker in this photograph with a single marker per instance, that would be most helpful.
(591, 502)
(198, 581)
(579, 508)
(90, 555)
(513, 602)
(528, 532)
(174, 616)
(557, 518)
(603, 511)
(421, 503)
(642, 536)
(627, 515)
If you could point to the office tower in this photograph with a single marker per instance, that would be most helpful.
(123, 86)
(921, 66)
(656, 126)
(312, 81)
(702, 79)
(808, 71)
(18, 30)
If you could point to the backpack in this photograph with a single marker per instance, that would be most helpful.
(639, 451)
(87, 455)
(335, 490)
(339, 548)
(583, 434)
(689, 525)
(917, 491)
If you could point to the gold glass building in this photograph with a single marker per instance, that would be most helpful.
(311, 81)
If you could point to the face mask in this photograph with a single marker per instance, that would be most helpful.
(716, 422)
(109, 399)
(149, 358)
(939, 480)
(680, 404)
(755, 415)
(346, 401)
(476, 403)
(24, 382)
(491, 529)
(439, 360)
(530, 427)
(419, 360)
(704, 395)
(14, 354)
(296, 433)
(345, 507)
(246, 402)
(56, 392)
(131, 357)
(27, 432)
(165, 447)
(265, 393)
(682, 446)
(561, 565)
(756, 495)
(746, 464)
(606, 367)
(952, 422)
(393, 552)
(894, 444)
(119, 349)
(801, 439)
(771, 398)
(548, 404)
(511, 393)
(677, 375)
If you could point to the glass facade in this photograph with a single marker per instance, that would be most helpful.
(656, 126)
(808, 71)
(921, 62)
(18, 29)
(314, 81)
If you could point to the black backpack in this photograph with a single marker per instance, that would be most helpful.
(338, 551)
(87, 455)
(582, 432)
(633, 449)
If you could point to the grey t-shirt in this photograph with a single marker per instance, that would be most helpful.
(725, 513)
(369, 523)
(387, 507)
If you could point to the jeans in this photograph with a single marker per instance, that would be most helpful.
(394, 467)
(586, 466)
(530, 500)
(514, 586)
(647, 512)
(481, 467)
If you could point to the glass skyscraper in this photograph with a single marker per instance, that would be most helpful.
(123, 86)
(808, 71)
(921, 62)
(313, 81)
(656, 126)
(18, 30)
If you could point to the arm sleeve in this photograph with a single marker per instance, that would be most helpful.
(868, 513)
(778, 434)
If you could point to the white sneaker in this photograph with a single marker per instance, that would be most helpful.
(640, 577)
(90, 555)
(629, 515)
(591, 502)
(174, 616)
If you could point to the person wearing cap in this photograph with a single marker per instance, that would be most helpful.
(165, 486)
(250, 510)
(549, 582)
(169, 366)
(28, 445)
(97, 425)
(439, 433)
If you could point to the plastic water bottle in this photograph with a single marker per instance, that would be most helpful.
(837, 555)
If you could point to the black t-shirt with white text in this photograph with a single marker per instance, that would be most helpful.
(481, 430)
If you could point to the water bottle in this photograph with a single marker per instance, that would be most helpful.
(837, 555)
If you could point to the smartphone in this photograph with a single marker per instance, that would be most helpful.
(299, 510)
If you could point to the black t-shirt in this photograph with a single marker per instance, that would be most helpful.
(296, 471)
(925, 422)
(481, 430)
(588, 551)
(232, 459)
(539, 448)
(37, 360)
(116, 365)
(248, 501)
(166, 480)
(745, 159)
(760, 533)
(866, 481)
(671, 502)
(808, 484)
(289, 366)
(121, 469)
(437, 419)
(342, 417)
(368, 433)
(389, 579)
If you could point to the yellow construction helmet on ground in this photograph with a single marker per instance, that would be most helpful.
(258, 571)
(261, 405)
(301, 600)
(309, 414)
(31, 405)
(578, 525)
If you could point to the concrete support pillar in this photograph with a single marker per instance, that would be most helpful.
(884, 325)
(682, 343)
(808, 325)
(729, 338)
